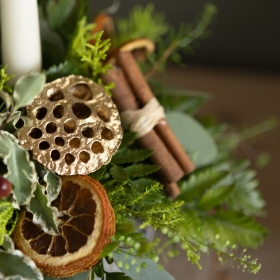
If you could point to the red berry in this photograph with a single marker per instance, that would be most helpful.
(5, 187)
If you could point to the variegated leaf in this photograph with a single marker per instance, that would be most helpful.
(21, 170)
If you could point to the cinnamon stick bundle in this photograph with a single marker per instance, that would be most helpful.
(125, 99)
(144, 95)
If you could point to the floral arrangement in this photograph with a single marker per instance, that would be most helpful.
(79, 185)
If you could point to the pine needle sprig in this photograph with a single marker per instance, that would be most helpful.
(180, 40)
(142, 22)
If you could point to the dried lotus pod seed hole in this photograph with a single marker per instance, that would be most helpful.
(51, 127)
(84, 156)
(59, 141)
(55, 155)
(55, 94)
(97, 148)
(40, 113)
(107, 134)
(81, 111)
(70, 126)
(69, 158)
(19, 124)
(58, 111)
(75, 143)
(103, 113)
(81, 91)
(35, 133)
(88, 132)
(44, 145)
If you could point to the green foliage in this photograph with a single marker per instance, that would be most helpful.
(20, 266)
(21, 170)
(140, 268)
(90, 49)
(142, 22)
(8, 218)
(4, 78)
(178, 41)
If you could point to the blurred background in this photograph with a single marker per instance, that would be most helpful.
(239, 65)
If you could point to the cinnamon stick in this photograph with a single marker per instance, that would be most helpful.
(125, 100)
(144, 95)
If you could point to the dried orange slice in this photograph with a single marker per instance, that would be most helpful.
(86, 225)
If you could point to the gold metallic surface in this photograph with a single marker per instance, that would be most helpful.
(75, 128)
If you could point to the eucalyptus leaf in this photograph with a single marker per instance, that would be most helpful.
(194, 138)
(21, 170)
(140, 268)
(27, 87)
(43, 214)
(13, 264)
(80, 276)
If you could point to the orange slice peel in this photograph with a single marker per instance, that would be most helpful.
(86, 225)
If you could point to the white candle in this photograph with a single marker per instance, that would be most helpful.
(21, 46)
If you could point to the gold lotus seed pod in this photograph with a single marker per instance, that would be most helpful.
(75, 128)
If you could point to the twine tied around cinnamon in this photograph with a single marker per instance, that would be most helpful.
(143, 120)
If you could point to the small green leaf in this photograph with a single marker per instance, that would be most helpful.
(214, 196)
(12, 116)
(127, 156)
(58, 11)
(128, 139)
(117, 276)
(137, 272)
(19, 266)
(21, 170)
(109, 249)
(42, 213)
(7, 98)
(194, 138)
(142, 183)
(8, 244)
(6, 214)
(198, 183)
(98, 174)
(53, 186)
(141, 170)
(27, 87)
(119, 173)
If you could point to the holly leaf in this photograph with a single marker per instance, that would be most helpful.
(127, 156)
(15, 265)
(27, 87)
(21, 170)
(43, 214)
(141, 170)
(119, 173)
(140, 268)
(53, 186)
